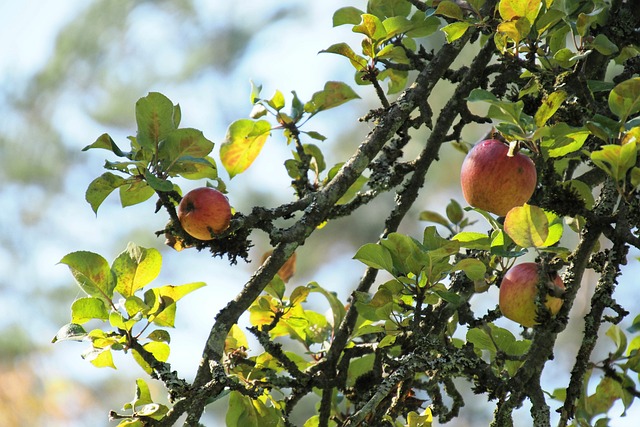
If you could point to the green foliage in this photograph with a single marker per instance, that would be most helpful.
(159, 151)
(129, 315)
(245, 138)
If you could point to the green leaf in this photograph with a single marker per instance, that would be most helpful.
(583, 190)
(85, 309)
(333, 95)
(473, 268)
(378, 307)
(619, 338)
(235, 339)
(388, 8)
(550, 105)
(241, 412)
(299, 295)
(527, 225)
(255, 92)
(616, 160)
(337, 307)
(345, 50)
(416, 420)
(607, 392)
(603, 127)
(454, 212)
(347, 15)
(163, 301)
(92, 273)
(160, 335)
(316, 135)
(104, 141)
(604, 46)
(371, 26)
(473, 240)
(431, 240)
(195, 168)
(397, 25)
(242, 144)
(510, 112)
(159, 350)
(156, 183)
(277, 101)
(556, 228)
(561, 139)
(450, 9)
(70, 332)
(100, 358)
(375, 256)
(434, 217)
(155, 119)
(455, 30)
(142, 396)
(153, 410)
(624, 99)
(181, 143)
(135, 268)
(548, 20)
(480, 340)
(100, 188)
(134, 191)
(134, 305)
(403, 250)
(423, 24)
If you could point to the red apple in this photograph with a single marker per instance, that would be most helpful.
(495, 182)
(203, 212)
(518, 292)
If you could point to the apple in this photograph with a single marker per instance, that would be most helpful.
(494, 181)
(518, 291)
(203, 212)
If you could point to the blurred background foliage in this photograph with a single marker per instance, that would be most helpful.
(103, 56)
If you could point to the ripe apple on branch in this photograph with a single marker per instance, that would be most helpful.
(494, 180)
(204, 212)
(518, 291)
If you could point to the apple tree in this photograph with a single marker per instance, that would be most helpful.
(556, 81)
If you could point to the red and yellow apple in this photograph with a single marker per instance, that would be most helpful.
(494, 181)
(204, 212)
(518, 291)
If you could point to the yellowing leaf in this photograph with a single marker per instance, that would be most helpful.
(549, 106)
(235, 340)
(345, 50)
(92, 273)
(333, 95)
(624, 99)
(616, 160)
(371, 26)
(135, 268)
(455, 30)
(515, 9)
(527, 226)
(242, 144)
